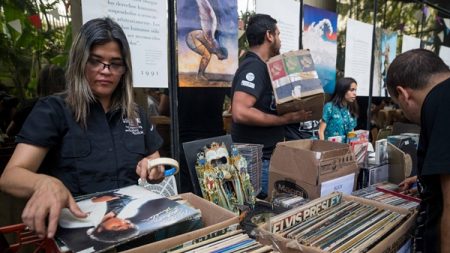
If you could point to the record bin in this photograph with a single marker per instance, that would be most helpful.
(390, 242)
(216, 219)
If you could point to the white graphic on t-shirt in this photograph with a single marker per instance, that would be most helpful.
(250, 76)
(248, 84)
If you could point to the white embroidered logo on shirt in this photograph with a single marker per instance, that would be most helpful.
(248, 84)
(131, 127)
(250, 76)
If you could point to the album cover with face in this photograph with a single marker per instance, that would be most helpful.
(120, 216)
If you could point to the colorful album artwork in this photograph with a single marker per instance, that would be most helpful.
(292, 64)
(293, 76)
(319, 36)
(277, 69)
(388, 53)
(207, 42)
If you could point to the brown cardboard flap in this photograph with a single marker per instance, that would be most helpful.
(330, 149)
(312, 103)
(307, 160)
(298, 162)
(207, 206)
(325, 148)
(399, 164)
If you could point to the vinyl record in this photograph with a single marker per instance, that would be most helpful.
(259, 215)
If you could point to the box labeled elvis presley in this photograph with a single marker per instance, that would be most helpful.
(339, 223)
(124, 218)
(295, 83)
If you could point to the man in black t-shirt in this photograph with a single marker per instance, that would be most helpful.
(419, 82)
(255, 119)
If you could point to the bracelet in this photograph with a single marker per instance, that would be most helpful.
(165, 161)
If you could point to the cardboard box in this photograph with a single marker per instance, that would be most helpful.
(407, 143)
(391, 243)
(302, 166)
(214, 217)
(400, 164)
(295, 83)
(312, 103)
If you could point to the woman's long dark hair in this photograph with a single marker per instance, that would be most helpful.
(342, 86)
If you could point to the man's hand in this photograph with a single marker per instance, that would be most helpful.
(49, 197)
(407, 183)
(298, 116)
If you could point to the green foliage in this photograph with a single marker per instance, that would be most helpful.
(242, 42)
(405, 18)
(25, 53)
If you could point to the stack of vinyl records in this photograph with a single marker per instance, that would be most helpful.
(259, 214)
(338, 223)
(390, 194)
(253, 154)
(233, 241)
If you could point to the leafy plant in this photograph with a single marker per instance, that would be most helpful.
(36, 42)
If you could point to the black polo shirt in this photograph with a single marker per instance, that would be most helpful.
(101, 157)
(252, 77)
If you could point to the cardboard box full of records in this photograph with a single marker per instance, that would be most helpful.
(340, 223)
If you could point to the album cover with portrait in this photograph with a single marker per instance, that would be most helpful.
(126, 216)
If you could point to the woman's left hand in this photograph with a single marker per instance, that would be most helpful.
(152, 175)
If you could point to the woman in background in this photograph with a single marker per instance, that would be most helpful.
(340, 113)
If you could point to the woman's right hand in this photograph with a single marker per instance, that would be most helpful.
(42, 211)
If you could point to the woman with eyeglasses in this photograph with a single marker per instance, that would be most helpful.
(91, 138)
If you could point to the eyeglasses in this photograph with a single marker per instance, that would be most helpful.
(114, 67)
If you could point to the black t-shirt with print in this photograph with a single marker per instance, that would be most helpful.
(433, 160)
(253, 78)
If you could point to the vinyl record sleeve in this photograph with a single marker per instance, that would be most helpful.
(139, 212)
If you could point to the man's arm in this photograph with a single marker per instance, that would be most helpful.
(244, 112)
(407, 183)
(445, 219)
